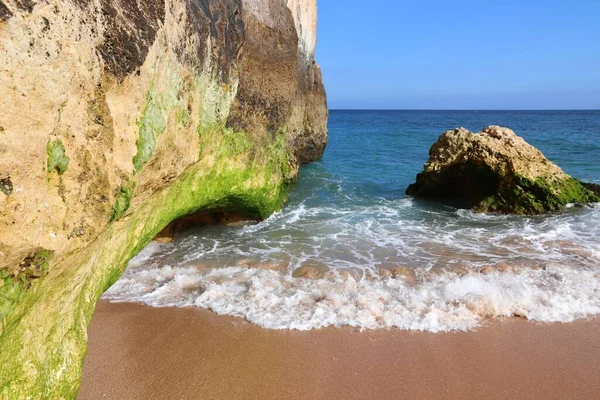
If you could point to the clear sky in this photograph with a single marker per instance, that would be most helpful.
(460, 54)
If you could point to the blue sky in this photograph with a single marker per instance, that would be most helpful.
(460, 54)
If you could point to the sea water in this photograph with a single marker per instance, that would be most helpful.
(380, 259)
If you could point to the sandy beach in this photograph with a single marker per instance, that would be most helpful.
(138, 352)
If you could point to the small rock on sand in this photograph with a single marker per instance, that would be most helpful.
(405, 273)
(312, 271)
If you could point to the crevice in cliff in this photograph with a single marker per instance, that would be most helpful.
(202, 218)
(5, 13)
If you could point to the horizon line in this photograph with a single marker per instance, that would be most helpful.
(464, 109)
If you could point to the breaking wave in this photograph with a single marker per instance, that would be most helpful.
(394, 265)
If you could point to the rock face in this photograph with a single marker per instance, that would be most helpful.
(118, 117)
(496, 171)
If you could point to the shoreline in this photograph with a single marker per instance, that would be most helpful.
(139, 352)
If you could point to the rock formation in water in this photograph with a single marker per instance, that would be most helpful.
(118, 117)
(496, 171)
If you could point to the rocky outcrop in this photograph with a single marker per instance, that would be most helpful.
(118, 117)
(496, 171)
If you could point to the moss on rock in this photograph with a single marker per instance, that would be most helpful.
(11, 293)
(183, 117)
(14, 285)
(57, 159)
(122, 201)
(525, 196)
(153, 120)
(592, 186)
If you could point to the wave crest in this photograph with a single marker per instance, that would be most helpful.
(445, 302)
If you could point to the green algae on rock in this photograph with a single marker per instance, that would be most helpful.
(122, 201)
(57, 159)
(13, 286)
(496, 171)
(153, 121)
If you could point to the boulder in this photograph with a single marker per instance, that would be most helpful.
(497, 171)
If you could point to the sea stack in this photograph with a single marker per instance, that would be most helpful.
(496, 171)
(118, 117)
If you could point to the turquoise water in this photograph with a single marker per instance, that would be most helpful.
(350, 223)
(378, 153)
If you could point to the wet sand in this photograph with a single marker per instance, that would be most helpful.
(137, 352)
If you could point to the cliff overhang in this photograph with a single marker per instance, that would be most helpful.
(118, 118)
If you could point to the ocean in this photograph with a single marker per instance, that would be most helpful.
(380, 259)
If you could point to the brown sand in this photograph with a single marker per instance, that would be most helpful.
(137, 352)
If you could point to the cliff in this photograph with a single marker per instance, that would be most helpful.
(118, 117)
(497, 171)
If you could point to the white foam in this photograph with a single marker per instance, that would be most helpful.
(275, 300)
(559, 255)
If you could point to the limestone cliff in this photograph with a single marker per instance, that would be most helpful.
(119, 116)
(497, 171)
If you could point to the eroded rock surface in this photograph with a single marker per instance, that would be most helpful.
(496, 171)
(118, 117)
